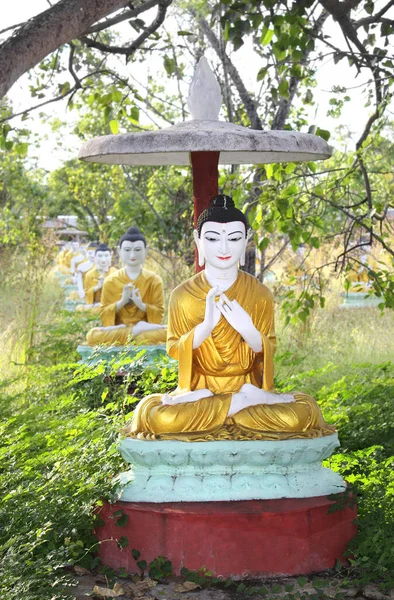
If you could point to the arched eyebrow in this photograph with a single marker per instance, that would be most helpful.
(233, 232)
(217, 232)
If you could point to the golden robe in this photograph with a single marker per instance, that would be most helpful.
(150, 286)
(222, 364)
(91, 280)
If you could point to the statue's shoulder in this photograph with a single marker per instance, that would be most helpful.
(194, 284)
(118, 275)
(151, 275)
(255, 286)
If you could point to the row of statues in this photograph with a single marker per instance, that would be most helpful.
(220, 330)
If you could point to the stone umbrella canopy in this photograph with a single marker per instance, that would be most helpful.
(204, 142)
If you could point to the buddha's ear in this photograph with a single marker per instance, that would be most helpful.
(243, 255)
(201, 257)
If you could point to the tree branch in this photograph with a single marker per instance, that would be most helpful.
(124, 16)
(375, 18)
(129, 50)
(41, 35)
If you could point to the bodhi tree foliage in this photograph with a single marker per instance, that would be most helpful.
(347, 200)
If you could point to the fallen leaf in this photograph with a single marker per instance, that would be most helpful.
(119, 589)
(81, 570)
(138, 589)
(187, 586)
(107, 593)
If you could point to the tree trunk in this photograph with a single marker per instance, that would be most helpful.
(41, 35)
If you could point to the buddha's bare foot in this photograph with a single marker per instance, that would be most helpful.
(250, 395)
(186, 397)
(258, 396)
(143, 326)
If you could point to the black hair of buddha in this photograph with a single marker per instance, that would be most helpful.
(102, 248)
(221, 209)
(92, 245)
(133, 234)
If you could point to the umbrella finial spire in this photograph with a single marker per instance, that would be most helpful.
(205, 97)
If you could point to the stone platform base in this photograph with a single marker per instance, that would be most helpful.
(359, 300)
(71, 305)
(231, 539)
(91, 355)
(172, 471)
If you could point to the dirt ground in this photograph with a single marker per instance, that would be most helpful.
(325, 585)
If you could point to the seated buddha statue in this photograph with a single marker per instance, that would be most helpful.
(221, 332)
(85, 266)
(132, 299)
(63, 259)
(94, 279)
(358, 276)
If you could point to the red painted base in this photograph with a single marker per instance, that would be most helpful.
(243, 539)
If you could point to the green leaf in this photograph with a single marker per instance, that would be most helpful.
(135, 554)
(122, 521)
(114, 126)
(237, 43)
(142, 564)
(185, 33)
(284, 88)
(169, 65)
(266, 37)
(21, 148)
(263, 243)
(269, 170)
(135, 113)
(323, 133)
(117, 96)
(123, 542)
(262, 73)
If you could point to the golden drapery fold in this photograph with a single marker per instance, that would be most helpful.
(91, 280)
(150, 286)
(222, 364)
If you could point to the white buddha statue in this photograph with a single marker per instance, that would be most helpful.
(221, 331)
(95, 277)
(132, 299)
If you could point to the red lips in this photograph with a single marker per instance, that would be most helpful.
(224, 257)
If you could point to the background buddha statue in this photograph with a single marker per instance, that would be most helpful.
(359, 274)
(94, 279)
(221, 331)
(132, 299)
(63, 259)
(84, 267)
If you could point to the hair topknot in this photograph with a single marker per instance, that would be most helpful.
(221, 209)
(133, 234)
(92, 245)
(102, 248)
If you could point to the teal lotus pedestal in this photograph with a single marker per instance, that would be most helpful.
(172, 471)
(359, 300)
(91, 355)
(71, 305)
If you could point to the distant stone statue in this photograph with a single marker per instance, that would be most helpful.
(95, 277)
(132, 299)
(84, 267)
(221, 331)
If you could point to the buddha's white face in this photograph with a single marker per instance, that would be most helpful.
(90, 254)
(132, 254)
(222, 244)
(103, 260)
